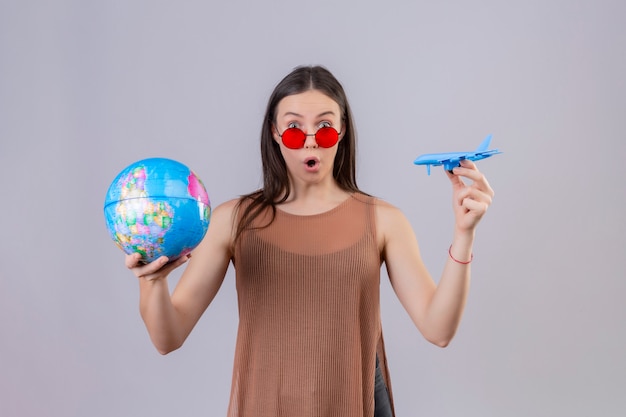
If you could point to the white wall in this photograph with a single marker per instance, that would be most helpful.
(86, 87)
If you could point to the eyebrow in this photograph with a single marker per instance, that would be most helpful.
(326, 113)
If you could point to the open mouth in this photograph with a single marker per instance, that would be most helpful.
(311, 162)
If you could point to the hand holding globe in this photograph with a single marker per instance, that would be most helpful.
(155, 270)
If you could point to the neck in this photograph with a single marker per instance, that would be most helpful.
(314, 198)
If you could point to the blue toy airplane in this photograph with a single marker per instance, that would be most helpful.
(452, 159)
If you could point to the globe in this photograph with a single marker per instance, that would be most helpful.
(157, 207)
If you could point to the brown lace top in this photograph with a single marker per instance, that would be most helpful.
(309, 315)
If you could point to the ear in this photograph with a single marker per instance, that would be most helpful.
(343, 129)
(275, 133)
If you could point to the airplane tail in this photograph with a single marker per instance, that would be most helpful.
(484, 145)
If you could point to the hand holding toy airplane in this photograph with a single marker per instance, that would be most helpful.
(452, 160)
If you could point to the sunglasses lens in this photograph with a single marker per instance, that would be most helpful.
(293, 138)
(326, 137)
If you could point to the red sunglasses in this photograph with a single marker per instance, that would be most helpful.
(294, 138)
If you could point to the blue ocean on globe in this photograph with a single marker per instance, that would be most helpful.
(156, 207)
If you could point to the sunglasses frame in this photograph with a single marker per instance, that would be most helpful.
(305, 135)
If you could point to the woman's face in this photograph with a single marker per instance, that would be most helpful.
(308, 111)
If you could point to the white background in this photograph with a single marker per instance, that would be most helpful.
(87, 87)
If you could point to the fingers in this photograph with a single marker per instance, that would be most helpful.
(132, 260)
(472, 193)
(469, 170)
(455, 179)
(478, 207)
(159, 268)
(471, 200)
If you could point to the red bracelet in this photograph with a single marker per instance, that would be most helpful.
(456, 260)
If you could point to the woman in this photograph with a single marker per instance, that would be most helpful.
(307, 250)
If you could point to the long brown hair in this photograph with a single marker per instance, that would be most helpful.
(276, 187)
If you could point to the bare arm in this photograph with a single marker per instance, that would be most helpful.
(170, 318)
(436, 309)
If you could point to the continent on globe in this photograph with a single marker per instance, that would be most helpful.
(157, 207)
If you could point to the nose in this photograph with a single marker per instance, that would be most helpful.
(310, 142)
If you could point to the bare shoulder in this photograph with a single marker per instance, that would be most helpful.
(387, 212)
(226, 209)
(390, 221)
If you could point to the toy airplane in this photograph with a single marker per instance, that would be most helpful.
(452, 159)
